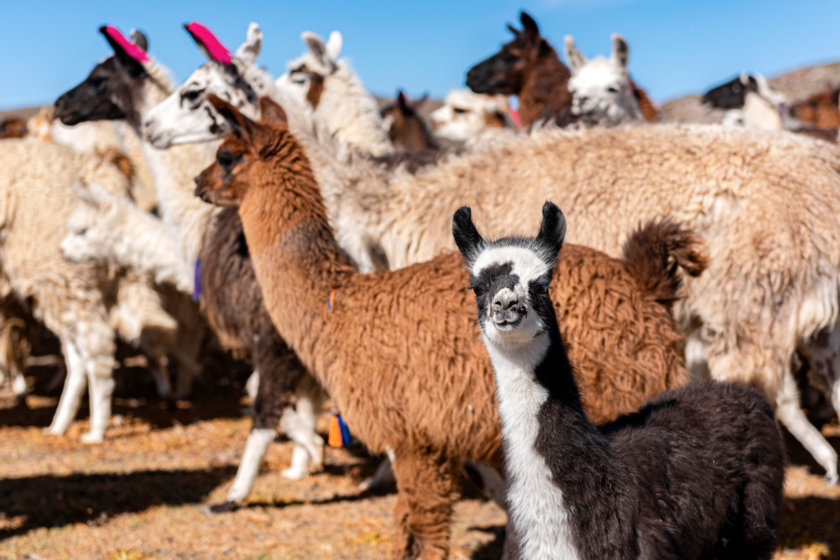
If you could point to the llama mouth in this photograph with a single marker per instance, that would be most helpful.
(507, 320)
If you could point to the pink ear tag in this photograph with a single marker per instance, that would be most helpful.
(204, 37)
(127, 46)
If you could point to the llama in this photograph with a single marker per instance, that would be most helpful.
(335, 94)
(400, 218)
(195, 234)
(204, 119)
(13, 127)
(749, 101)
(465, 115)
(601, 90)
(695, 473)
(406, 128)
(529, 68)
(821, 110)
(80, 303)
(262, 170)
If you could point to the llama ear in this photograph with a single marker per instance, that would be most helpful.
(402, 102)
(316, 46)
(139, 38)
(270, 110)
(242, 126)
(334, 44)
(209, 44)
(573, 56)
(513, 30)
(532, 32)
(553, 227)
(416, 105)
(130, 56)
(621, 50)
(467, 238)
(250, 48)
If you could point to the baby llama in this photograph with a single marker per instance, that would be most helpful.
(696, 473)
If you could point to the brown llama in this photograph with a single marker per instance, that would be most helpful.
(406, 128)
(821, 109)
(401, 377)
(13, 128)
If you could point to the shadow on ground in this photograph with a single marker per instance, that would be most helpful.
(810, 520)
(55, 501)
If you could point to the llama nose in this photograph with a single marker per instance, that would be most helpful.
(506, 309)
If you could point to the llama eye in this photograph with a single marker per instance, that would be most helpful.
(192, 95)
(612, 89)
(225, 159)
(459, 110)
(477, 290)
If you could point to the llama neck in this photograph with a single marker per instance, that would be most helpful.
(174, 170)
(355, 193)
(545, 92)
(547, 441)
(296, 258)
(351, 114)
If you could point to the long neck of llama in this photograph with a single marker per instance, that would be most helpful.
(558, 463)
(174, 170)
(296, 258)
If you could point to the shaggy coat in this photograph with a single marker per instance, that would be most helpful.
(79, 302)
(234, 307)
(724, 183)
(696, 473)
(341, 324)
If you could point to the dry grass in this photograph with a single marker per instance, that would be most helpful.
(140, 495)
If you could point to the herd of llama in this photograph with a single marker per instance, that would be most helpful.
(616, 379)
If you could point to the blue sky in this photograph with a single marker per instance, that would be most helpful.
(676, 46)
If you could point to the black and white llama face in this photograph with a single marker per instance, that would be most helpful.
(106, 93)
(732, 94)
(186, 115)
(511, 277)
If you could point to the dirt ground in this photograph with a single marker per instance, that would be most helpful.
(141, 494)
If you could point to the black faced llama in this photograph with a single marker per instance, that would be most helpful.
(695, 473)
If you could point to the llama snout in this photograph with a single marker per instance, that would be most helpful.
(507, 309)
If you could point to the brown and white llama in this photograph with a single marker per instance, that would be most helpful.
(399, 379)
(466, 116)
(695, 473)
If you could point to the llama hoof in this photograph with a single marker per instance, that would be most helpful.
(294, 474)
(831, 479)
(52, 431)
(224, 507)
(92, 438)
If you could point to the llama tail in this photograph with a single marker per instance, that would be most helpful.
(655, 252)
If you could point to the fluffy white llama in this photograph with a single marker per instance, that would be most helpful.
(601, 90)
(466, 116)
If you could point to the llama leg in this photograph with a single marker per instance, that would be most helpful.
(71, 394)
(791, 415)
(101, 385)
(281, 375)
(823, 353)
(426, 488)
(249, 467)
(99, 362)
(310, 400)
(383, 477)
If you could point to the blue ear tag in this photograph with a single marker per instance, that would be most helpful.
(196, 295)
